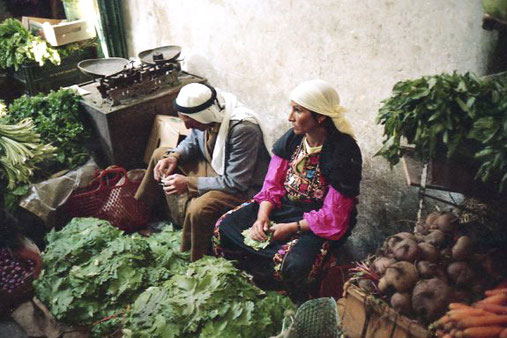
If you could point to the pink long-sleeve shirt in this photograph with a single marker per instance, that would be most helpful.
(330, 222)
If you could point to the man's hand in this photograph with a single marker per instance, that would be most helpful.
(282, 231)
(175, 184)
(165, 167)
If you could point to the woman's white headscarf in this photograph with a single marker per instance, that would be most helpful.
(207, 105)
(320, 97)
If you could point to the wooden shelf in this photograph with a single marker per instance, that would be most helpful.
(446, 175)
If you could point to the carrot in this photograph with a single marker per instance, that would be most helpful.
(466, 314)
(494, 308)
(487, 320)
(448, 326)
(440, 333)
(443, 320)
(470, 311)
(500, 299)
(495, 291)
(483, 331)
(503, 334)
(454, 306)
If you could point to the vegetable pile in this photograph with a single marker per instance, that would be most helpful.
(485, 318)
(18, 46)
(56, 119)
(21, 149)
(97, 277)
(93, 271)
(449, 115)
(211, 299)
(420, 273)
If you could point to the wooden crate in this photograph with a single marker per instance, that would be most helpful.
(362, 315)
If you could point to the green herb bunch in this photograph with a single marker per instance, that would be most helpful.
(449, 115)
(20, 152)
(57, 120)
(211, 299)
(18, 45)
(93, 271)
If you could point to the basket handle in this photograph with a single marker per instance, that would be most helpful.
(112, 170)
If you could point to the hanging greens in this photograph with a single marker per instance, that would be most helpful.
(449, 115)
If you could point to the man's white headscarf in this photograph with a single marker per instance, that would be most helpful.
(320, 97)
(206, 105)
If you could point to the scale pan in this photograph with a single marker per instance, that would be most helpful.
(162, 54)
(102, 67)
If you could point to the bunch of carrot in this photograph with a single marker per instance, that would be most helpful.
(485, 318)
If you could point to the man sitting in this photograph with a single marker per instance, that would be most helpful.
(218, 166)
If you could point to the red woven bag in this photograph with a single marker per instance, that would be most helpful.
(110, 196)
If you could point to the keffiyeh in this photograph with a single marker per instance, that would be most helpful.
(206, 105)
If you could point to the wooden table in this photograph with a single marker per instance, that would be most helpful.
(121, 132)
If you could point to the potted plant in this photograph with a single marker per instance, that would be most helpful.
(458, 117)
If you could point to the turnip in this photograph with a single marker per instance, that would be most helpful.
(436, 238)
(428, 252)
(431, 218)
(402, 302)
(460, 273)
(401, 276)
(426, 269)
(393, 240)
(406, 250)
(447, 222)
(430, 298)
(381, 263)
(462, 249)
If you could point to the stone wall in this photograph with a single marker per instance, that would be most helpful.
(261, 49)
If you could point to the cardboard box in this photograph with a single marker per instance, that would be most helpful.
(59, 32)
(167, 131)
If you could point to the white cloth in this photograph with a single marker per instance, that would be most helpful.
(320, 97)
(226, 109)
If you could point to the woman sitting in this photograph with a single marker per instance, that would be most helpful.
(308, 200)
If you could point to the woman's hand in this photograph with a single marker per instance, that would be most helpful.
(259, 228)
(175, 184)
(282, 231)
(165, 167)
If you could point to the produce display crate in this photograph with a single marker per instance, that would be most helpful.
(38, 79)
(362, 315)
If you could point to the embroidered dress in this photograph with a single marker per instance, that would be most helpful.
(298, 189)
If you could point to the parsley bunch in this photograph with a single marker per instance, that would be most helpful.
(57, 121)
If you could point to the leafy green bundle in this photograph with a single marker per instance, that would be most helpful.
(212, 299)
(20, 151)
(93, 271)
(449, 115)
(18, 45)
(56, 118)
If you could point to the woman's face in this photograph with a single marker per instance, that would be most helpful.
(301, 119)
